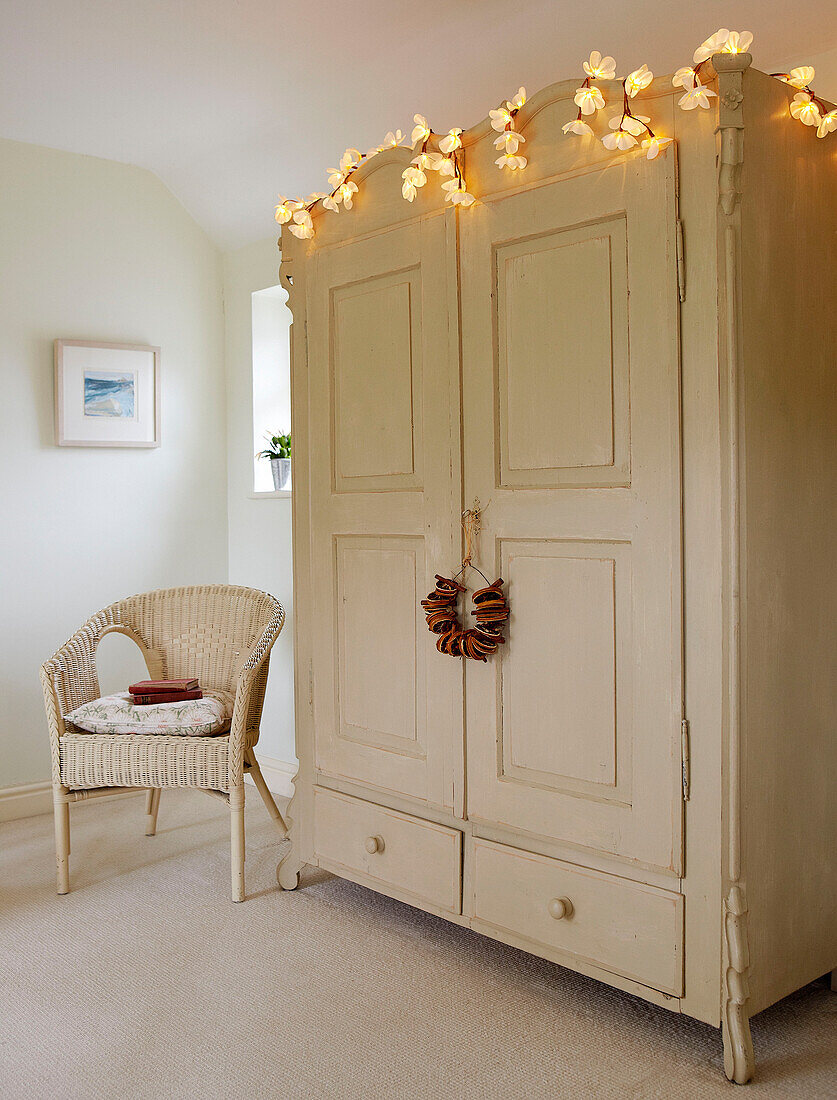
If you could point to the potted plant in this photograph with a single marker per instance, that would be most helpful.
(278, 450)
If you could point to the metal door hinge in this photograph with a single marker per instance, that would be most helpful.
(685, 755)
(681, 263)
(311, 684)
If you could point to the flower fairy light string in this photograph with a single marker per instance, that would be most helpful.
(509, 140)
(805, 106)
(447, 162)
(695, 92)
(630, 129)
(296, 213)
(627, 130)
(588, 98)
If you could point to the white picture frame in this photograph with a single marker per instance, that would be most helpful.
(106, 395)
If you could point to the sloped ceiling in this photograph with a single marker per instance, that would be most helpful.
(230, 101)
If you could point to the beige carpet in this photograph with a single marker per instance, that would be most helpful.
(147, 982)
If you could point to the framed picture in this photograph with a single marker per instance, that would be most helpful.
(106, 395)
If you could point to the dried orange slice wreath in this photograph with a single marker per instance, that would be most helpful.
(490, 612)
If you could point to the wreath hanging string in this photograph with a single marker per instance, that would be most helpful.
(490, 608)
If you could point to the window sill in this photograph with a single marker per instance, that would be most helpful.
(272, 495)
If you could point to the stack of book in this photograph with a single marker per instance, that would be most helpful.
(146, 692)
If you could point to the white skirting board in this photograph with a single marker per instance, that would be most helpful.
(32, 799)
(25, 801)
(277, 774)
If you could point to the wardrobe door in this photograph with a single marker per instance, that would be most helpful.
(384, 506)
(572, 441)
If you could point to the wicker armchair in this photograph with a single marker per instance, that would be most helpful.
(220, 633)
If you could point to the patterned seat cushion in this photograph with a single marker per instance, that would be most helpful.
(116, 714)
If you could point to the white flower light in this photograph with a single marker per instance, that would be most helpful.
(600, 68)
(801, 77)
(638, 80)
(828, 124)
(619, 140)
(302, 226)
(723, 41)
(513, 163)
(452, 140)
(683, 78)
(589, 100)
(697, 95)
(805, 109)
(632, 124)
(578, 126)
(285, 209)
(653, 145)
(441, 164)
(714, 44)
(346, 191)
(501, 118)
(509, 140)
(738, 42)
(413, 178)
(456, 193)
(421, 131)
(393, 139)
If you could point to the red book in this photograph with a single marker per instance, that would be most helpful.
(154, 687)
(165, 697)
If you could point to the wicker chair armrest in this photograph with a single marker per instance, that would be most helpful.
(68, 679)
(265, 643)
(247, 684)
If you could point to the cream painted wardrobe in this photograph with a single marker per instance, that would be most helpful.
(631, 364)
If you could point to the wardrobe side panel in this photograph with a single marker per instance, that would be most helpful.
(788, 488)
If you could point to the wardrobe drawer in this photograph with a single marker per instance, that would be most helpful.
(388, 848)
(621, 926)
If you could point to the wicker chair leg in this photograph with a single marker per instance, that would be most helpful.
(61, 808)
(237, 841)
(264, 790)
(152, 805)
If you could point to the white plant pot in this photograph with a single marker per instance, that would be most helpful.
(281, 468)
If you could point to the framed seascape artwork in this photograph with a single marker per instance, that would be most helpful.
(106, 395)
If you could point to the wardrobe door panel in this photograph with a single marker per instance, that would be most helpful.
(573, 733)
(571, 352)
(563, 407)
(384, 506)
(376, 359)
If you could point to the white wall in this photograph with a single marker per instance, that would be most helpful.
(93, 249)
(260, 527)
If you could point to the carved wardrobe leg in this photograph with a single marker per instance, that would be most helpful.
(739, 1061)
(287, 873)
(61, 808)
(152, 805)
(237, 841)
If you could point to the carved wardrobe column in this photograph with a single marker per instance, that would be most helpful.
(739, 1061)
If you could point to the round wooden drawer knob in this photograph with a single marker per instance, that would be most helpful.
(560, 908)
(374, 844)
